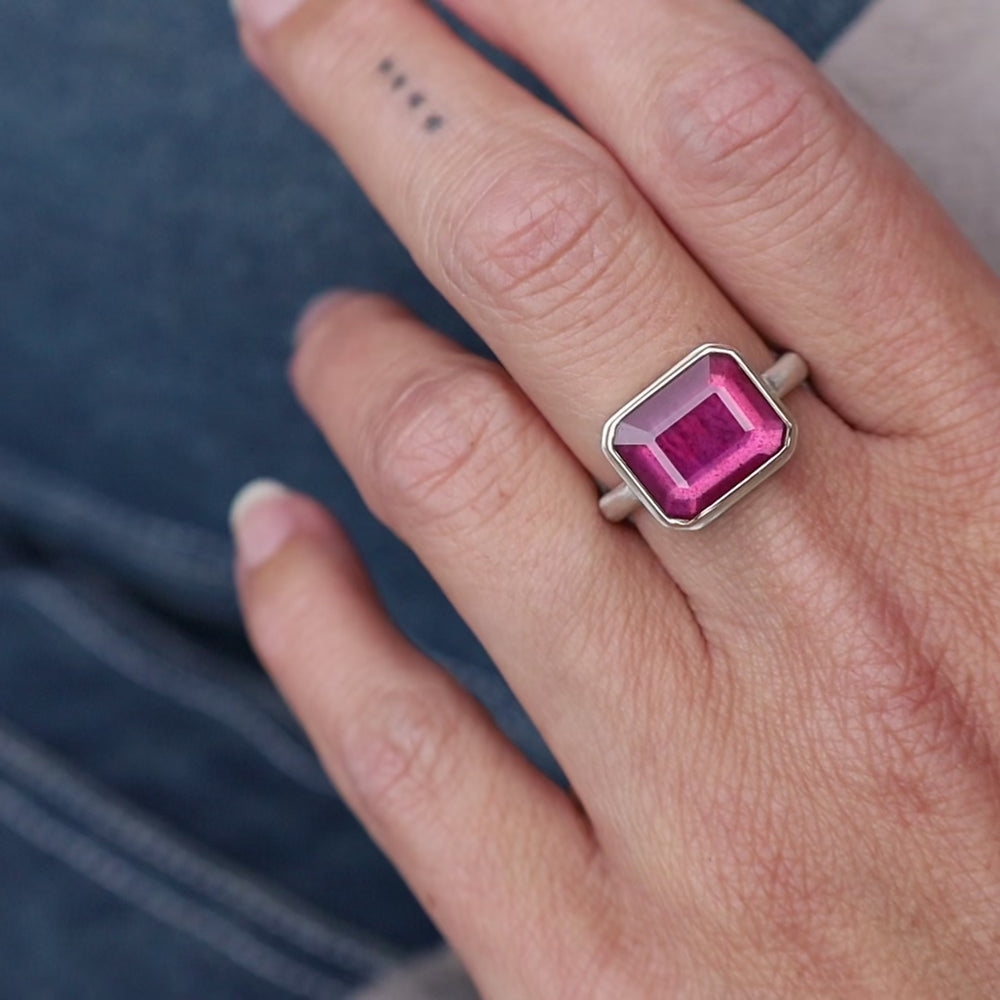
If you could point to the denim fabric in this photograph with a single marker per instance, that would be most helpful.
(164, 828)
(815, 24)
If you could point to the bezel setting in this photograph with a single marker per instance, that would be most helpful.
(741, 488)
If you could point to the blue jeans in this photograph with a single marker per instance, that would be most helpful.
(165, 830)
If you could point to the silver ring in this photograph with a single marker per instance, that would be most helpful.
(700, 437)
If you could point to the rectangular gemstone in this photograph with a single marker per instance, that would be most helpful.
(700, 435)
(705, 432)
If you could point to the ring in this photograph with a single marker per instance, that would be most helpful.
(701, 437)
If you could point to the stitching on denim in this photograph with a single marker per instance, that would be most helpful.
(71, 616)
(186, 549)
(166, 644)
(89, 859)
(115, 821)
(431, 974)
(190, 550)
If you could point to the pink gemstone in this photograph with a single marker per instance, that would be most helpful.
(699, 436)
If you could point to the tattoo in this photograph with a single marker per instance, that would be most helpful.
(415, 98)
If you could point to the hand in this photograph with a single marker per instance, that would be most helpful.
(781, 731)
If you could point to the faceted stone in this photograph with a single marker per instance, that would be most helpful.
(699, 436)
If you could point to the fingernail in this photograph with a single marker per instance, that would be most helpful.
(262, 15)
(261, 522)
(316, 308)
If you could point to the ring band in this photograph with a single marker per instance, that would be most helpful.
(700, 437)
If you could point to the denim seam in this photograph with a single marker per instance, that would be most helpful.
(90, 859)
(60, 607)
(185, 549)
(163, 641)
(137, 834)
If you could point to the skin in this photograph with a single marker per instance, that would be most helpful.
(781, 732)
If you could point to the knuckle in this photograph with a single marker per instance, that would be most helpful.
(908, 714)
(914, 720)
(547, 228)
(448, 447)
(904, 716)
(763, 125)
(402, 753)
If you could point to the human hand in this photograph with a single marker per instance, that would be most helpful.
(781, 731)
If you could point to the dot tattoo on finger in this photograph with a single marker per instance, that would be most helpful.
(415, 99)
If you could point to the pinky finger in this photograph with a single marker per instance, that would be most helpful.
(498, 855)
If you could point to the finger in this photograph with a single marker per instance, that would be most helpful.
(448, 452)
(531, 229)
(528, 226)
(460, 812)
(818, 232)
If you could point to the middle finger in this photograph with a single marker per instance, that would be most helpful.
(528, 226)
